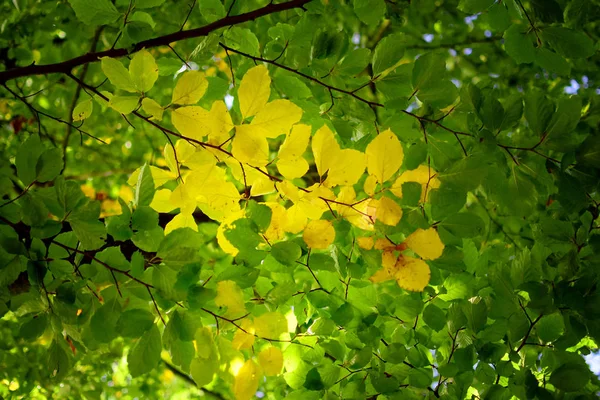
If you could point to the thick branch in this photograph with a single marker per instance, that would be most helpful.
(68, 65)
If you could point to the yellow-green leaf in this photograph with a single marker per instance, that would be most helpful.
(152, 108)
(189, 88)
(270, 325)
(229, 295)
(143, 71)
(124, 104)
(246, 381)
(83, 110)
(117, 74)
(271, 361)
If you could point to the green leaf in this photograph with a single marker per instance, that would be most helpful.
(124, 104)
(242, 39)
(369, 12)
(59, 362)
(49, 165)
(27, 159)
(144, 188)
(552, 62)
(34, 327)
(570, 377)
(134, 323)
(144, 356)
(569, 43)
(286, 252)
(260, 214)
(95, 12)
(428, 69)
(354, 63)
(203, 370)
(519, 44)
(550, 327)
(104, 321)
(85, 224)
(464, 225)
(148, 3)
(589, 151)
(313, 380)
(388, 53)
(474, 6)
(117, 74)
(212, 10)
(538, 111)
(83, 110)
(559, 132)
(434, 317)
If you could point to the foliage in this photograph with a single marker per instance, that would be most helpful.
(310, 199)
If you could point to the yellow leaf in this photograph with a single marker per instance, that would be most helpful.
(295, 220)
(225, 224)
(181, 221)
(162, 201)
(323, 146)
(413, 274)
(250, 147)
(244, 340)
(292, 168)
(423, 175)
(276, 118)
(261, 186)
(370, 185)
(388, 211)
(152, 108)
(215, 195)
(230, 295)
(254, 91)
(270, 325)
(275, 231)
(389, 267)
(291, 164)
(384, 156)
(183, 199)
(319, 234)
(246, 381)
(271, 361)
(384, 244)
(143, 70)
(220, 124)
(295, 143)
(189, 88)
(426, 243)
(192, 122)
(365, 242)
(346, 168)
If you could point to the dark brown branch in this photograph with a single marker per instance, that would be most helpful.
(68, 65)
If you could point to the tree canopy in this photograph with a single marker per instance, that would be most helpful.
(299, 199)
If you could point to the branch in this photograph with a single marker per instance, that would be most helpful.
(68, 65)
(350, 93)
